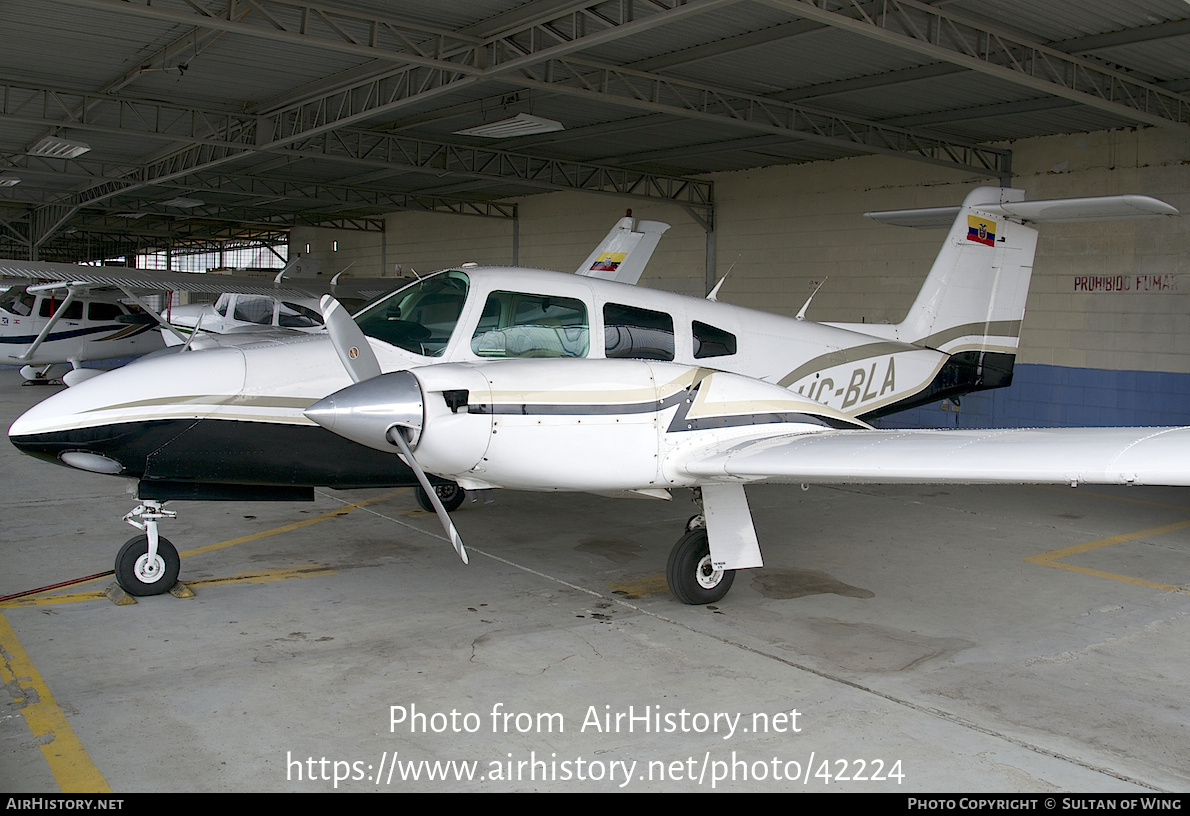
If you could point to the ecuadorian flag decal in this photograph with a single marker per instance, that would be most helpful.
(981, 231)
(608, 261)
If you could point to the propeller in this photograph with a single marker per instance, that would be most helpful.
(347, 412)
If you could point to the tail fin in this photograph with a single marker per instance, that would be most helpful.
(622, 255)
(974, 296)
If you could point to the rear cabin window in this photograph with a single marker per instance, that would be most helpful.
(297, 316)
(103, 311)
(712, 342)
(518, 324)
(640, 334)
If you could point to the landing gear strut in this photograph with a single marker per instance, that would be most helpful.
(148, 564)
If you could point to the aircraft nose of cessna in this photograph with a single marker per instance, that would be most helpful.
(366, 411)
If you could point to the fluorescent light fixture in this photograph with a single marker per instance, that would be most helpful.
(8, 179)
(184, 203)
(54, 147)
(523, 124)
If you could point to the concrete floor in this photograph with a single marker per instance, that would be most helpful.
(903, 625)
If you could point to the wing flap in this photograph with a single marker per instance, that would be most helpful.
(1150, 456)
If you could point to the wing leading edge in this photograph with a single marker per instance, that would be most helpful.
(1136, 456)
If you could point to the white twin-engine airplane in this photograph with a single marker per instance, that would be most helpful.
(532, 380)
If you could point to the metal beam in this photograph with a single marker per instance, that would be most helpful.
(933, 32)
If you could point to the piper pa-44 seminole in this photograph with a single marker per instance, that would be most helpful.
(533, 380)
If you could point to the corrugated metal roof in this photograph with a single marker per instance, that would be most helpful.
(270, 121)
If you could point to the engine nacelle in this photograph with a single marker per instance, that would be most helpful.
(571, 425)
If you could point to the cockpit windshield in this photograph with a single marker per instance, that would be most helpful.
(17, 302)
(419, 318)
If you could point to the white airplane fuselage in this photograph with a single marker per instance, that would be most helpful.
(235, 415)
(88, 329)
(236, 313)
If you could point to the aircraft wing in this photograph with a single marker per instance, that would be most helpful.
(147, 281)
(1071, 456)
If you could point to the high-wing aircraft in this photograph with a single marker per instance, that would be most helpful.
(41, 325)
(531, 380)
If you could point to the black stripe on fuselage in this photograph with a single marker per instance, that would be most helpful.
(680, 422)
(963, 373)
(229, 452)
(121, 332)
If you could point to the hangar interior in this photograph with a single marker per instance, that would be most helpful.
(761, 130)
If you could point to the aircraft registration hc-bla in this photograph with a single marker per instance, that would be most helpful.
(531, 380)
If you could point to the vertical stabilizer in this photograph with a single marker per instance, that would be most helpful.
(622, 255)
(972, 303)
(974, 297)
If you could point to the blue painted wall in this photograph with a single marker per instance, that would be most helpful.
(1044, 396)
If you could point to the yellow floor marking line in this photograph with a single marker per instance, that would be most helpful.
(68, 760)
(267, 576)
(1050, 559)
(264, 576)
(297, 525)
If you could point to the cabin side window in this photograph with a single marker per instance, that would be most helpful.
(222, 303)
(98, 310)
(254, 309)
(297, 316)
(518, 324)
(642, 334)
(712, 342)
(50, 306)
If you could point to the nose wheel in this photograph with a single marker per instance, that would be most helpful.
(141, 572)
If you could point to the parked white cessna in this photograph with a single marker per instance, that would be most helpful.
(533, 380)
(41, 325)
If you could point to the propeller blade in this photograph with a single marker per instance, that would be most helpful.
(349, 340)
(455, 539)
(360, 361)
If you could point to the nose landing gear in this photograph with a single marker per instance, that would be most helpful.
(148, 564)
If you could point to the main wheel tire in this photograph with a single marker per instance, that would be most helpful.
(451, 496)
(137, 575)
(689, 573)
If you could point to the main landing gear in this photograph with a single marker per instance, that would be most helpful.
(450, 494)
(148, 564)
(691, 576)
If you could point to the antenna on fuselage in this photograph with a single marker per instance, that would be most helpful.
(801, 315)
(713, 296)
